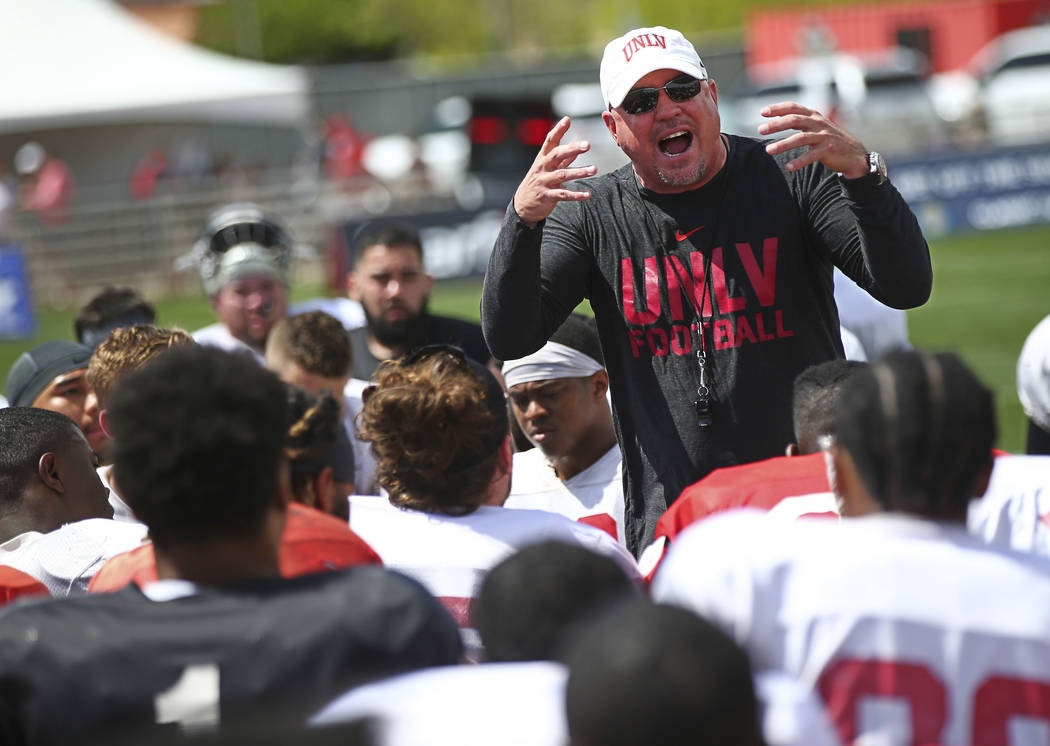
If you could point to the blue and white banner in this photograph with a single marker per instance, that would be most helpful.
(980, 190)
(17, 320)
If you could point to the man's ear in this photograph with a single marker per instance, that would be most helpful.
(47, 471)
(599, 384)
(103, 422)
(610, 124)
(353, 290)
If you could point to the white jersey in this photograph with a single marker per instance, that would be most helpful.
(911, 631)
(878, 327)
(217, 335)
(852, 346)
(451, 554)
(1015, 509)
(491, 703)
(791, 714)
(594, 496)
(364, 461)
(121, 510)
(67, 558)
(350, 313)
(1033, 375)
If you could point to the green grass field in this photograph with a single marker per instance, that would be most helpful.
(989, 290)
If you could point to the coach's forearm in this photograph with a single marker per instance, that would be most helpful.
(511, 313)
(895, 253)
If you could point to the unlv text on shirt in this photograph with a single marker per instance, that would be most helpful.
(746, 318)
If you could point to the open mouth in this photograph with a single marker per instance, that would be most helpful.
(676, 144)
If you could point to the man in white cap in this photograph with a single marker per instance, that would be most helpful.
(558, 395)
(243, 257)
(707, 260)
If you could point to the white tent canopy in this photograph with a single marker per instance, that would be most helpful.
(82, 62)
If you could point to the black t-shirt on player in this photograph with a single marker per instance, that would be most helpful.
(120, 667)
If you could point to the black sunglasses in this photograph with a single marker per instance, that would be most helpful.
(643, 100)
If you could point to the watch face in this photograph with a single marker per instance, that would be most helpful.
(877, 166)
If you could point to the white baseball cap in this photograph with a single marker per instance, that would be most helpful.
(637, 53)
(1033, 375)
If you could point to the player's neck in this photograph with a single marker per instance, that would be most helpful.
(18, 523)
(219, 562)
(591, 447)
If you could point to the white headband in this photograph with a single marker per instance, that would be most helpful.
(553, 360)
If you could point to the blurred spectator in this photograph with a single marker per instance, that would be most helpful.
(244, 256)
(53, 375)
(1033, 386)
(389, 281)
(149, 170)
(8, 199)
(344, 146)
(111, 308)
(47, 183)
(312, 351)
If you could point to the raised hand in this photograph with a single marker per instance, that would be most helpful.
(541, 189)
(828, 143)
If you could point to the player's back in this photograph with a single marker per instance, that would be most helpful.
(788, 487)
(312, 541)
(1015, 509)
(451, 554)
(119, 666)
(909, 629)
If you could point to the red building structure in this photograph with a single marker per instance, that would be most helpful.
(949, 33)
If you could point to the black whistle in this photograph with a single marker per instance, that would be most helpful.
(703, 413)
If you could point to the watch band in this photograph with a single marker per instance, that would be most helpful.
(877, 167)
(877, 173)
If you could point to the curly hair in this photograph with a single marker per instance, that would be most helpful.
(435, 432)
(310, 438)
(315, 341)
(128, 349)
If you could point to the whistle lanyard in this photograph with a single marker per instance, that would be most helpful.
(702, 403)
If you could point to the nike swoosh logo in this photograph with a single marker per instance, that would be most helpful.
(682, 236)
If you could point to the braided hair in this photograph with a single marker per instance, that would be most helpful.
(310, 439)
(920, 429)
